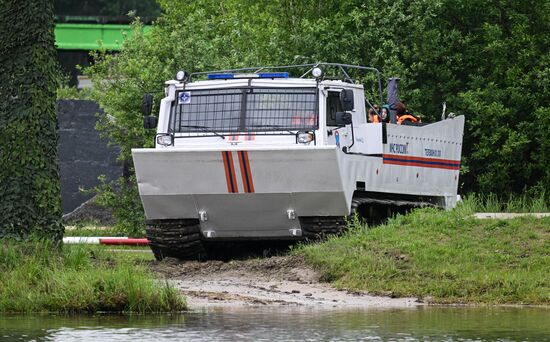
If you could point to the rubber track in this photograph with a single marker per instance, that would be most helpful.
(320, 226)
(357, 201)
(175, 238)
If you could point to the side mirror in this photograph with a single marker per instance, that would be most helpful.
(150, 121)
(343, 118)
(346, 98)
(147, 104)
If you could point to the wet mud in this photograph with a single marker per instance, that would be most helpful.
(277, 280)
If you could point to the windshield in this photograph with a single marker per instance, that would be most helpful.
(245, 110)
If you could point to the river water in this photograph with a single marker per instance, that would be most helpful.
(290, 324)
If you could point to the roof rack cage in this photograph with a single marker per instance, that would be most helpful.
(342, 68)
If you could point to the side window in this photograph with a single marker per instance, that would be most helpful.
(333, 106)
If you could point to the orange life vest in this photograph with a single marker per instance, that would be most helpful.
(407, 117)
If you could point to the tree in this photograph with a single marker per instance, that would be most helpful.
(488, 60)
(29, 178)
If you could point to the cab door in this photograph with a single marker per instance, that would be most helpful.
(339, 136)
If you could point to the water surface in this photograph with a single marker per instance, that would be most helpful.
(290, 324)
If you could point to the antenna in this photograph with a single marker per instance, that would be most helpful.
(444, 109)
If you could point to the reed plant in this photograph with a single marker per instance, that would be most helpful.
(491, 203)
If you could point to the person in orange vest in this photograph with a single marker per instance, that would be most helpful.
(373, 114)
(404, 115)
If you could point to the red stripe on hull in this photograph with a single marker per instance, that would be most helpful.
(434, 160)
(229, 169)
(248, 172)
(232, 172)
(244, 163)
(243, 172)
(412, 163)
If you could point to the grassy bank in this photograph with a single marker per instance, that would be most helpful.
(40, 277)
(443, 257)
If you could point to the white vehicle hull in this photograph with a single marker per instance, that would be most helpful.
(252, 191)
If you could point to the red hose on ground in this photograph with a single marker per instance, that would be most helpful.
(124, 241)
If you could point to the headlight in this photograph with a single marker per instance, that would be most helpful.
(304, 137)
(164, 139)
(317, 72)
(182, 76)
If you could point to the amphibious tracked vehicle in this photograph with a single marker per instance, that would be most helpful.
(256, 154)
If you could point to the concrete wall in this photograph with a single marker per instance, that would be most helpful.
(83, 155)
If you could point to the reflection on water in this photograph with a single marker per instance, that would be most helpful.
(288, 324)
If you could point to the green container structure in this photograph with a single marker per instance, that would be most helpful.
(71, 36)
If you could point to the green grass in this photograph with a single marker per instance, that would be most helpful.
(444, 257)
(41, 277)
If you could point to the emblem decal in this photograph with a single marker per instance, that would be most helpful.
(184, 97)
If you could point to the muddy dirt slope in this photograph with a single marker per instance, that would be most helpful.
(285, 280)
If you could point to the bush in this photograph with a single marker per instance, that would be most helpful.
(122, 197)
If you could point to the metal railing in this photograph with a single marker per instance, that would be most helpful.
(342, 68)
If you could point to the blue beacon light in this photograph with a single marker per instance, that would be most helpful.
(260, 75)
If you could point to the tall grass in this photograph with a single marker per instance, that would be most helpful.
(43, 277)
(492, 203)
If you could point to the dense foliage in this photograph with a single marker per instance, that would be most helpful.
(29, 178)
(488, 60)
